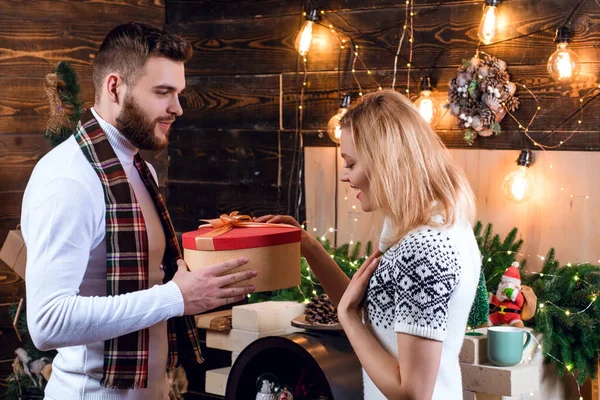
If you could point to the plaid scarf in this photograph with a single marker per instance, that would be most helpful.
(126, 357)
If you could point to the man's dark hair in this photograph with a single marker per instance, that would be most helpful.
(127, 47)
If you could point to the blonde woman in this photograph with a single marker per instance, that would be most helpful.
(405, 310)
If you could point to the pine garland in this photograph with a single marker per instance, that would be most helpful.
(20, 386)
(65, 115)
(497, 255)
(570, 317)
(571, 339)
(63, 91)
(346, 256)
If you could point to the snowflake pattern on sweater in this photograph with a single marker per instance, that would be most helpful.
(412, 286)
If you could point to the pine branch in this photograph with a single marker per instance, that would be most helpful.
(69, 93)
(345, 256)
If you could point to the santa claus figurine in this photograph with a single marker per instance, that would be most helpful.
(513, 303)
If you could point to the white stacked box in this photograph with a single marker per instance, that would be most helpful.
(249, 323)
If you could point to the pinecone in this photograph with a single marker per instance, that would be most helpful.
(496, 80)
(512, 103)
(486, 116)
(321, 310)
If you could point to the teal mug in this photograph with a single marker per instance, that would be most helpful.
(505, 345)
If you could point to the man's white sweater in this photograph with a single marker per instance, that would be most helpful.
(63, 224)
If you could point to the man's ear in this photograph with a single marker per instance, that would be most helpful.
(114, 88)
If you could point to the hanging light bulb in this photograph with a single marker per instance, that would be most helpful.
(563, 64)
(518, 186)
(304, 38)
(334, 129)
(487, 26)
(427, 105)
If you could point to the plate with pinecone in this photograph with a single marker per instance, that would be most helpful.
(319, 314)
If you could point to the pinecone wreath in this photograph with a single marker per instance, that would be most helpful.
(321, 310)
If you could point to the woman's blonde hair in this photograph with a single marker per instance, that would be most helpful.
(411, 174)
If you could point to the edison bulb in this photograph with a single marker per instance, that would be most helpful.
(428, 107)
(304, 38)
(518, 186)
(487, 26)
(334, 129)
(563, 64)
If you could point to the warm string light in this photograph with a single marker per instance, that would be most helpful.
(544, 147)
(369, 72)
(568, 367)
(525, 128)
(348, 42)
(542, 306)
(356, 56)
(405, 27)
(542, 258)
(410, 46)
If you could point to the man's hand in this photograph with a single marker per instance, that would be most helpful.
(203, 290)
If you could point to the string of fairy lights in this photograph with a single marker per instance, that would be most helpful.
(486, 34)
(542, 306)
(563, 66)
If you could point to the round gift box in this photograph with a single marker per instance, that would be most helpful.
(273, 252)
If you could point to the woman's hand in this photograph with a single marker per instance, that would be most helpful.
(351, 302)
(278, 219)
(305, 240)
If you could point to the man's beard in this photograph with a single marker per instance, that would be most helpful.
(133, 123)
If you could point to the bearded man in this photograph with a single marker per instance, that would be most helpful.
(106, 283)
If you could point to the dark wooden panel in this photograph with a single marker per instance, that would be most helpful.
(179, 11)
(189, 201)
(208, 10)
(24, 107)
(12, 290)
(160, 162)
(556, 102)
(32, 48)
(450, 32)
(241, 46)
(515, 140)
(232, 156)
(265, 45)
(507, 140)
(18, 156)
(10, 212)
(244, 102)
(150, 11)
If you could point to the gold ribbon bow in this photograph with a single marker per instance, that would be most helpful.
(225, 223)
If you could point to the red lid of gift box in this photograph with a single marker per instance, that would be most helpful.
(245, 238)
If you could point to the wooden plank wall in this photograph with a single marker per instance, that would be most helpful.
(34, 36)
(242, 100)
(562, 213)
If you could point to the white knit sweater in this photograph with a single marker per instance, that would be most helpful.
(425, 286)
(63, 224)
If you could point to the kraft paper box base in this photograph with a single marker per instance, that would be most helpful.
(273, 252)
(14, 253)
